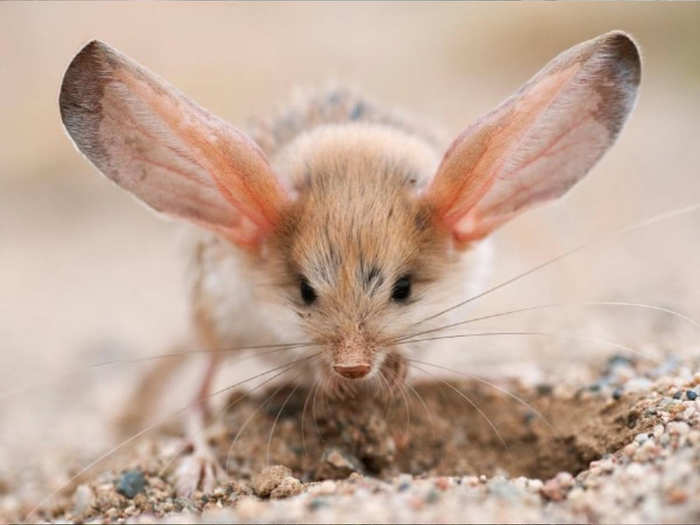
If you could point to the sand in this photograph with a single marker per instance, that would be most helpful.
(622, 448)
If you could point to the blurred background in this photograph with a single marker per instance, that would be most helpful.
(88, 275)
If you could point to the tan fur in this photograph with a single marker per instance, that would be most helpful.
(339, 196)
(356, 225)
(319, 214)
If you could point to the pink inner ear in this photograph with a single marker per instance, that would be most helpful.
(539, 142)
(475, 160)
(235, 163)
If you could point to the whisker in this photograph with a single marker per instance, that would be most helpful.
(492, 385)
(274, 348)
(402, 391)
(425, 407)
(605, 237)
(255, 412)
(147, 429)
(274, 423)
(314, 415)
(589, 339)
(226, 407)
(549, 306)
(303, 416)
(470, 401)
(388, 394)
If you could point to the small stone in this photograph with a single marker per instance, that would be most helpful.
(551, 490)
(336, 463)
(289, 486)
(677, 395)
(679, 428)
(694, 437)
(605, 465)
(83, 499)
(647, 451)
(432, 497)
(641, 437)
(676, 496)
(442, 483)
(131, 483)
(556, 488)
(317, 503)
(630, 449)
(270, 477)
(544, 389)
(324, 488)
(691, 395)
(617, 360)
(617, 393)
(565, 479)
(470, 481)
(635, 471)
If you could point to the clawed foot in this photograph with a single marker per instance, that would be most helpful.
(199, 470)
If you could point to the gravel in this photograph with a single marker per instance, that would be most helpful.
(630, 457)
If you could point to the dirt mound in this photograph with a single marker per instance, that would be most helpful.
(436, 429)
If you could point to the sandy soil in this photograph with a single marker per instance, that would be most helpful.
(623, 447)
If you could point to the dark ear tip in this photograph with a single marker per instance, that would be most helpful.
(80, 83)
(625, 51)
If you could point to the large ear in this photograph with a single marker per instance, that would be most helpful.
(178, 158)
(540, 141)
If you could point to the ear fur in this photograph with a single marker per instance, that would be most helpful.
(172, 154)
(539, 142)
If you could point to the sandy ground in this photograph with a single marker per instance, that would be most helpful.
(625, 447)
(88, 276)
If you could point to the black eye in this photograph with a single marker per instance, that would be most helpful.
(402, 289)
(308, 294)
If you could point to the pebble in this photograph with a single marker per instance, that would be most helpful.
(658, 431)
(649, 450)
(83, 499)
(443, 483)
(641, 437)
(270, 477)
(556, 488)
(318, 503)
(432, 496)
(289, 486)
(676, 496)
(131, 483)
(630, 449)
(323, 488)
(338, 463)
(678, 428)
(691, 395)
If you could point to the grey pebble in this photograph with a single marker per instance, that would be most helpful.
(131, 483)
(317, 503)
(691, 395)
